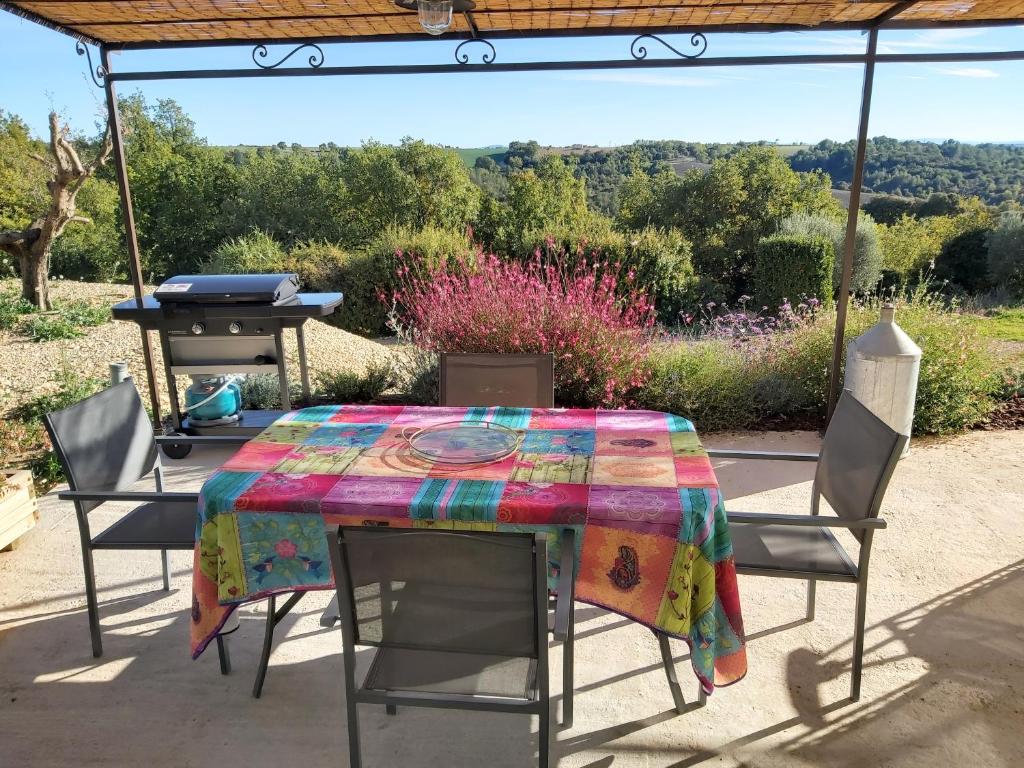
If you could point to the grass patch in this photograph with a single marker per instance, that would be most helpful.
(50, 328)
(1002, 324)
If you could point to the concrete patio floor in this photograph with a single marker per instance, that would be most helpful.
(943, 681)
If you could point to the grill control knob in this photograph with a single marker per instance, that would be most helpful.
(199, 328)
(235, 327)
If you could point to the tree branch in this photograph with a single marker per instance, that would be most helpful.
(82, 219)
(43, 160)
(105, 151)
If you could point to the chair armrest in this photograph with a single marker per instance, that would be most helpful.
(727, 453)
(142, 496)
(566, 583)
(812, 521)
(202, 439)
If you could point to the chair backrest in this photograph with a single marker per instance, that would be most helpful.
(858, 456)
(105, 442)
(514, 381)
(429, 589)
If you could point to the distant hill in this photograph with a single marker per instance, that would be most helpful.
(993, 172)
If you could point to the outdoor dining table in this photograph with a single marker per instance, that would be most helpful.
(652, 541)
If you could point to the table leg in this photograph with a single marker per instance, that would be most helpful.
(331, 614)
(282, 369)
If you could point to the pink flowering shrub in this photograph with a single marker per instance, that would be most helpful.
(597, 325)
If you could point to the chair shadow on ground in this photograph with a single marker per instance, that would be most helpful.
(146, 703)
(964, 642)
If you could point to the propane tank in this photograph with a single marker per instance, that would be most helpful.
(882, 368)
(213, 401)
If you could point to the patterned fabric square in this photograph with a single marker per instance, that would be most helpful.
(277, 492)
(626, 569)
(317, 414)
(562, 418)
(389, 496)
(495, 470)
(389, 462)
(632, 421)
(617, 443)
(348, 435)
(288, 432)
(418, 417)
(678, 423)
(257, 456)
(698, 514)
(695, 471)
(571, 441)
(457, 500)
(634, 470)
(224, 488)
(686, 444)
(690, 590)
(647, 510)
(317, 459)
(543, 503)
(552, 468)
(366, 414)
(284, 550)
(513, 418)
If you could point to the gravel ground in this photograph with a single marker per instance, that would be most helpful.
(28, 367)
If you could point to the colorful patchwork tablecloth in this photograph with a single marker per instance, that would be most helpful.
(652, 538)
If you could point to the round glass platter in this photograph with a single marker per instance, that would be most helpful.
(463, 442)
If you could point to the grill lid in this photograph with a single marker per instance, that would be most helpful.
(276, 289)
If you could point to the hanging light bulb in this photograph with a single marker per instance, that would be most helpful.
(436, 15)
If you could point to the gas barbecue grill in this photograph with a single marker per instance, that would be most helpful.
(221, 324)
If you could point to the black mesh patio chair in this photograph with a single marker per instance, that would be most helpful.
(105, 444)
(458, 620)
(514, 381)
(857, 459)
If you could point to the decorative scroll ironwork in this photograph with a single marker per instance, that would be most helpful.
(697, 40)
(315, 60)
(486, 58)
(97, 73)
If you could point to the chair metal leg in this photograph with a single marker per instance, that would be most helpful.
(670, 673)
(91, 601)
(858, 639)
(812, 587)
(355, 760)
(544, 734)
(166, 563)
(224, 655)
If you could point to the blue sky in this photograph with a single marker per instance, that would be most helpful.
(968, 102)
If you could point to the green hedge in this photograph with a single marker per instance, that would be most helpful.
(367, 275)
(789, 267)
(660, 259)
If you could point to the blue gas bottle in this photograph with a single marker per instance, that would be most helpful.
(213, 399)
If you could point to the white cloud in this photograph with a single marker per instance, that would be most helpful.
(975, 72)
(645, 78)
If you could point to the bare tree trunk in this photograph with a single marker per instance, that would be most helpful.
(31, 246)
(35, 268)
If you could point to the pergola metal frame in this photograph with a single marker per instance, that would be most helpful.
(104, 76)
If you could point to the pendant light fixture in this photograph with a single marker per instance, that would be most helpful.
(436, 15)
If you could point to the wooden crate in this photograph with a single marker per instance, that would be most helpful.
(18, 509)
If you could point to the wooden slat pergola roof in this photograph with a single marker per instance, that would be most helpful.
(140, 23)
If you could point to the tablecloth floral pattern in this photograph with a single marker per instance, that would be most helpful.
(652, 538)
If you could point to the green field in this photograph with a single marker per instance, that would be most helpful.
(469, 155)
